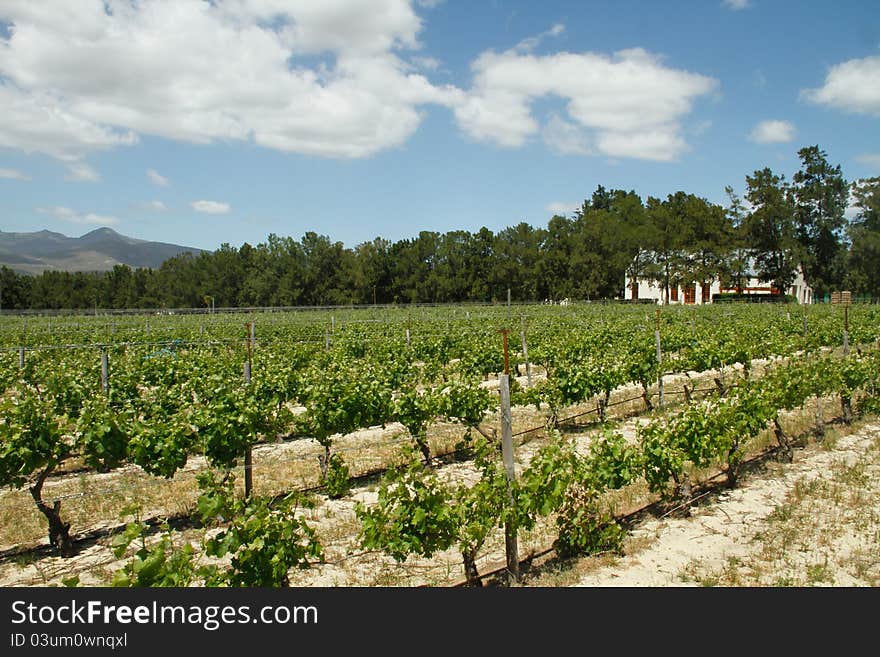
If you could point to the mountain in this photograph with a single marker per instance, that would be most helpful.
(98, 250)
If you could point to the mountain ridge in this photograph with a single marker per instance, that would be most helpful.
(98, 250)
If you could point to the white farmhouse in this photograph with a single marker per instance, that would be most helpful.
(646, 288)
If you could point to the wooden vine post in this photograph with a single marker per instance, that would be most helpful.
(845, 399)
(525, 349)
(105, 373)
(248, 453)
(659, 361)
(510, 538)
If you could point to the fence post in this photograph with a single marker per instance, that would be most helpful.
(845, 400)
(105, 372)
(510, 543)
(248, 454)
(525, 350)
(21, 358)
(659, 361)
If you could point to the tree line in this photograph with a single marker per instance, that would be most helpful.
(774, 228)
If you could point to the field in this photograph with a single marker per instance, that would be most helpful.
(621, 416)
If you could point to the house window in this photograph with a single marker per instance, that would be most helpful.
(690, 294)
(673, 293)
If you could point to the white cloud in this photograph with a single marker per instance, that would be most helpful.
(157, 179)
(853, 86)
(210, 207)
(871, 159)
(157, 206)
(67, 214)
(82, 172)
(772, 132)
(529, 44)
(428, 63)
(246, 70)
(736, 5)
(201, 72)
(562, 208)
(565, 137)
(13, 174)
(40, 122)
(630, 104)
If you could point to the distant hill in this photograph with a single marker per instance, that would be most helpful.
(98, 250)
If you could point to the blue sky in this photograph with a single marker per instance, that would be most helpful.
(206, 123)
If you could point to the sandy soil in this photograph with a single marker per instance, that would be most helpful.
(815, 521)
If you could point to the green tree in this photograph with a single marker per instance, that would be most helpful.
(771, 228)
(864, 232)
(708, 231)
(555, 281)
(372, 271)
(518, 253)
(734, 267)
(819, 195)
(15, 290)
(670, 237)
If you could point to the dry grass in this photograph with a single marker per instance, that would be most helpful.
(825, 533)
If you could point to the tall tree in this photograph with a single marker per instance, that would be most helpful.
(517, 253)
(864, 262)
(771, 228)
(15, 290)
(819, 194)
(671, 236)
(707, 231)
(634, 239)
(372, 274)
(555, 281)
(735, 269)
(610, 237)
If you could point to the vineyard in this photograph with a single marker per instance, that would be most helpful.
(365, 446)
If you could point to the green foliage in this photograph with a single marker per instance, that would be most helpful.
(489, 503)
(552, 469)
(465, 403)
(263, 540)
(415, 409)
(613, 462)
(102, 434)
(560, 481)
(584, 526)
(340, 400)
(229, 419)
(337, 482)
(161, 564)
(414, 513)
(161, 444)
(33, 435)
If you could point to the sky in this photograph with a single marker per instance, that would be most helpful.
(207, 123)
